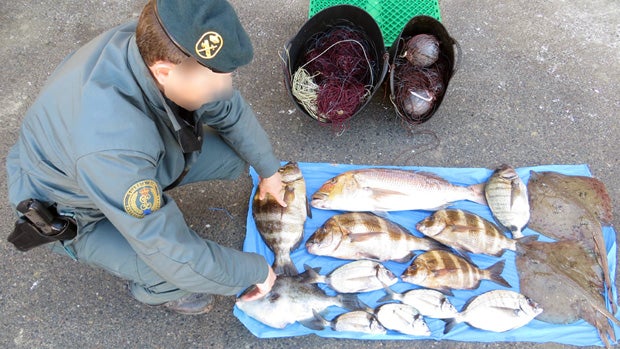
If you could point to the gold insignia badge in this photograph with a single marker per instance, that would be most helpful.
(209, 44)
(142, 198)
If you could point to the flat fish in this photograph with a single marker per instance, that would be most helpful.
(465, 231)
(388, 189)
(507, 197)
(444, 271)
(292, 299)
(361, 235)
(354, 277)
(559, 214)
(567, 282)
(282, 228)
(497, 311)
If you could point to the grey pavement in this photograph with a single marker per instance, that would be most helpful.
(538, 84)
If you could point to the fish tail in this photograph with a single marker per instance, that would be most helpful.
(283, 265)
(495, 272)
(477, 191)
(389, 295)
(350, 301)
(312, 276)
(317, 322)
(450, 323)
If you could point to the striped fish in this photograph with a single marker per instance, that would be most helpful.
(507, 197)
(444, 271)
(467, 232)
(361, 235)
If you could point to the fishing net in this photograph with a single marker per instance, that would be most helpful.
(336, 75)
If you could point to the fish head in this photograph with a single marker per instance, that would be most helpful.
(334, 190)
(416, 273)
(506, 172)
(529, 307)
(323, 241)
(290, 172)
(446, 306)
(431, 225)
(384, 275)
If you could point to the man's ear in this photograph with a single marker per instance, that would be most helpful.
(161, 71)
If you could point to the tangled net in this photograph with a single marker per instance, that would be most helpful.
(337, 75)
(418, 89)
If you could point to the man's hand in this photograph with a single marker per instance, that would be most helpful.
(273, 186)
(260, 290)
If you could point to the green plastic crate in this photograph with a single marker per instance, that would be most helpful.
(390, 15)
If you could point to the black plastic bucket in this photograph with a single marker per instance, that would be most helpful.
(321, 22)
(449, 49)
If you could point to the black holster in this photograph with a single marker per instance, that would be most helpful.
(39, 225)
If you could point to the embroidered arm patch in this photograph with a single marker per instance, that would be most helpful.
(142, 198)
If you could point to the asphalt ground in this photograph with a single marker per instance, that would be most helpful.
(538, 84)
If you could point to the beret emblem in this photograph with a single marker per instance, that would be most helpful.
(209, 44)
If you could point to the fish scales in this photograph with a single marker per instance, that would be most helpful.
(361, 235)
(282, 227)
(443, 271)
(465, 231)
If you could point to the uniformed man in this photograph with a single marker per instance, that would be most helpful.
(119, 122)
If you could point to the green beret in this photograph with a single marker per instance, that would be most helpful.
(208, 30)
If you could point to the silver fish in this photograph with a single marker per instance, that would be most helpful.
(465, 231)
(387, 189)
(402, 318)
(360, 235)
(431, 303)
(353, 321)
(497, 311)
(282, 228)
(353, 277)
(292, 299)
(507, 197)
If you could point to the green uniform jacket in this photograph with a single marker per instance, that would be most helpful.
(99, 126)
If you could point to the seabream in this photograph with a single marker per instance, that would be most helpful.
(431, 303)
(353, 321)
(402, 318)
(388, 189)
(361, 235)
(353, 277)
(282, 228)
(506, 195)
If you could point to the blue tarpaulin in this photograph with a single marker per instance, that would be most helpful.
(579, 333)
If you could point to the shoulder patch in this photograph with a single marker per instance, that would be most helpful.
(142, 198)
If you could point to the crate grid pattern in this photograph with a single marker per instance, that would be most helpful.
(390, 15)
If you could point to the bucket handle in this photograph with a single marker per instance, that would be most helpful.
(459, 56)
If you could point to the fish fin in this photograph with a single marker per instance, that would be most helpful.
(283, 265)
(515, 191)
(289, 194)
(495, 272)
(308, 208)
(527, 239)
(378, 193)
(317, 322)
(445, 290)
(311, 275)
(382, 214)
(360, 237)
(450, 323)
(389, 295)
(350, 301)
(478, 194)
(405, 258)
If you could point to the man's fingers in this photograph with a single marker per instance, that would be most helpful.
(254, 294)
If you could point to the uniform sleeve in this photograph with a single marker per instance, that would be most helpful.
(236, 123)
(123, 186)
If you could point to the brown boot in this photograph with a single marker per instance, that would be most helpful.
(191, 304)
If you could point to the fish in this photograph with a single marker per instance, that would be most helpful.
(590, 191)
(363, 235)
(507, 197)
(353, 321)
(389, 189)
(293, 299)
(282, 228)
(402, 318)
(496, 311)
(443, 271)
(561, 214)
(430, 303)
(466, 232)
(354, 277)
(567, 282)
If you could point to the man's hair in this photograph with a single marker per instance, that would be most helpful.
(153, 43)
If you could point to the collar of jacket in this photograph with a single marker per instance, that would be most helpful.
(188, 136)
